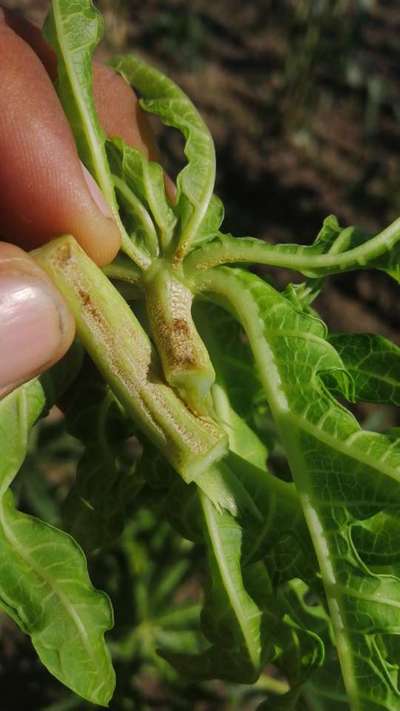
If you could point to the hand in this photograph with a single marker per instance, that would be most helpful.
(46, 191)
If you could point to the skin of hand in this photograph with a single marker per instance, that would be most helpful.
(46, 191)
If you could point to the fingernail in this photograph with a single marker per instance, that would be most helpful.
(96, 193)
(33, 326)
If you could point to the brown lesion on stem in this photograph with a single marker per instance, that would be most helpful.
(123, 353)
(185, 360)
(178, 256)
(178, 343)
(185, 352)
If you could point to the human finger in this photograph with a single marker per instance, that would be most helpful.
(116, 103)
(44, 189)
(36, 328)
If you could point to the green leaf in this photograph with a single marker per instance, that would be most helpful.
(195, 182)
(74, 28)
(374, 365)
(135, 218)
(299, 632)
(98, 504)
(325, 692)
(45, 587)
(211, 223)
(231, 356)
(242, 440)
(342, 474)
(145, 179)
(269, 525)
(160, 566)
(269, 510)
(44, 583)
(56, 381)
(18, 413)
(231, 619)
(273, 523)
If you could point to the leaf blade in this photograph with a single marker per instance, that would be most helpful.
(231, 619)
(342, 474)
(146, 180)
(195, 182)
(34, 559)
(373, 362)
(65, 617)
(73, 28)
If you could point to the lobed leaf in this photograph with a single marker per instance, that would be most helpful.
(373, 363)
(195, 183)
(45, 587)
(74, 28)
(211, 223)
(145, 179)
(98, 504)
(231, 619)
(231, 356)
(269, 511)
(342, 474)
(44, 583)
(302, 640)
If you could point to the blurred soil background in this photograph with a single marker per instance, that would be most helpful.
(303, 100)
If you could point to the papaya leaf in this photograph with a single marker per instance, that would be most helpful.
(145, 179)
(230, 619)
(74, 29)
(98, 504)
(373, 362)
(302, 640)
(342, 474)
(231, 356)
(211, 223)
(195, 183)
(44, 582)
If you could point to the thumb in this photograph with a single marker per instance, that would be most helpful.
(36, 327)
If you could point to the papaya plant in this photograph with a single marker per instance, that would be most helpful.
(196, 373)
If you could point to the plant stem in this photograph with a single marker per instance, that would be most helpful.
(186, 363)
(123, 353)
(226, 249)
